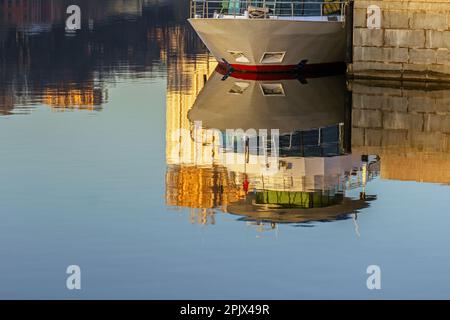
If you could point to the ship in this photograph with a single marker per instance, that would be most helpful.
(272, 36)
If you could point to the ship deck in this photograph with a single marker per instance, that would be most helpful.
(284, 18)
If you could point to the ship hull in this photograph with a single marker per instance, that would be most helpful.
(270, 45)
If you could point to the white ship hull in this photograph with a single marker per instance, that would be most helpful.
(268, 45)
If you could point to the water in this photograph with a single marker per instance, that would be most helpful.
(93, 172)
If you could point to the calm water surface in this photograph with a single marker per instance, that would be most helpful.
(98, 168)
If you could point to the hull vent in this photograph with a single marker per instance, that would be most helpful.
(239, 56)
(272, 89)
(273, 57)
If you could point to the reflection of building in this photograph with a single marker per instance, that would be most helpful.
(186, 77)
(408, 127)
(12, 101)
(34, 16)
(202, 189)
(42, 67)
(199, 188)
(83, 99)
(27, 12)
(58, 98)
(6, 102)
(133, 7)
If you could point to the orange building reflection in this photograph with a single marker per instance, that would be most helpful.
(82, 99)
(202, 189)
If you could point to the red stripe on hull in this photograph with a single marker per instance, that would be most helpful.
(222, 69)
(333, 67)
(266, 68)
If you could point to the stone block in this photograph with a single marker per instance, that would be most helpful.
(404, 38)
(400, 120)
(366, 118)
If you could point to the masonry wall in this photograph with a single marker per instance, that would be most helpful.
(413, 42)
(408, 127)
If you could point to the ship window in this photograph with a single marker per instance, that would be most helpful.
(239, 87)
(272, 89)
(239, 56)
(273, 57)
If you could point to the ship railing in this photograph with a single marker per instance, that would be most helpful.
(269, 9)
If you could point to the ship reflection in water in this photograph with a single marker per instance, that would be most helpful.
(313, 167)
(334, 137)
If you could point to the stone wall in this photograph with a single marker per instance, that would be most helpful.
(408, 127)
(413, 42)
